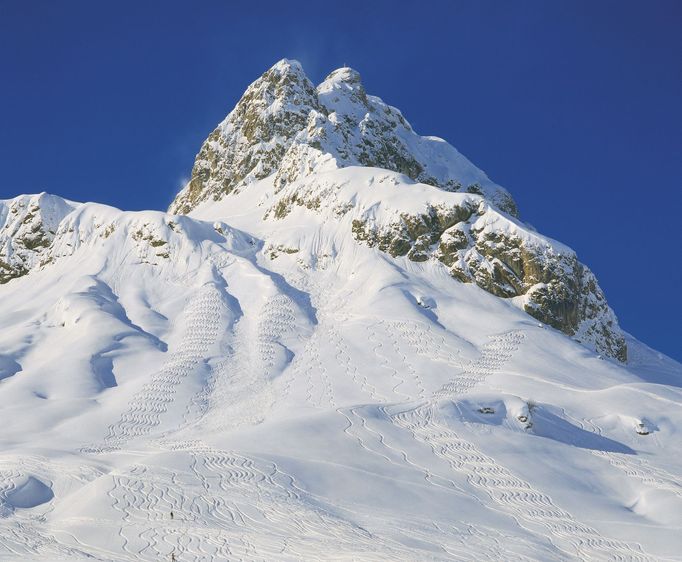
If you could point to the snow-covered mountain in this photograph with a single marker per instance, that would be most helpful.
(342, 342)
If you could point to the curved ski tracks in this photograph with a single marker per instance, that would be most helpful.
(511, 493)
(532, 508)
(237, 508)
(234, 508)
(202, 317)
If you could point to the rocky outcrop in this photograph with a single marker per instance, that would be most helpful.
(39, 230)
(479, 245)
(250, 143)
(352, 160)
(285, 126)
(475, 241)
(28, 225)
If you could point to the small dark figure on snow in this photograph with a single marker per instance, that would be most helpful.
(171, 519)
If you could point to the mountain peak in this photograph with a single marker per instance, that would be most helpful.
(284, 130)
(285, 66)
(286, 76)
(344, 76)
(346, 350)
(284, 127)
(271, 97)
(342, 92)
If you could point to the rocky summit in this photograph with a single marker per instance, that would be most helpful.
(285, 126)
(342, 342)
(285, 129)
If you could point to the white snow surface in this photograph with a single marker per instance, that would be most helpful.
(224, 386)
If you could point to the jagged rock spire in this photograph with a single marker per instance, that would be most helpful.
(285, 126)
(250, 142)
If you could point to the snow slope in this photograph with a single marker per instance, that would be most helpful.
(318, 404)
(257, 381)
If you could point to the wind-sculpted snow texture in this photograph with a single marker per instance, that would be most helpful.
(292, 373)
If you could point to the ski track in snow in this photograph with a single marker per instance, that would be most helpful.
(420, 390)
(640, 469)
(325, 390)
(634, 466)
(511, 493)
(494, 355)
(241, 387)
(343, 358)
(277, 319)
(24, 537)
(202, 317)
(229, 506)
(307, 367)
(235, 508)
(398, 380)
(421, 339)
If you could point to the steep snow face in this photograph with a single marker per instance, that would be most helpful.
(256, 381)
(283, 125)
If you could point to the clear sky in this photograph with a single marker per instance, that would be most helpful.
(574, 106)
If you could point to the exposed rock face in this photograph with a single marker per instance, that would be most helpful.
(475, 241)
(250, 143)
(285, 129)
(479, 245)
(286, 126)
(28, 225)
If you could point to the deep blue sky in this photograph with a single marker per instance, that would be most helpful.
(574, 106)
